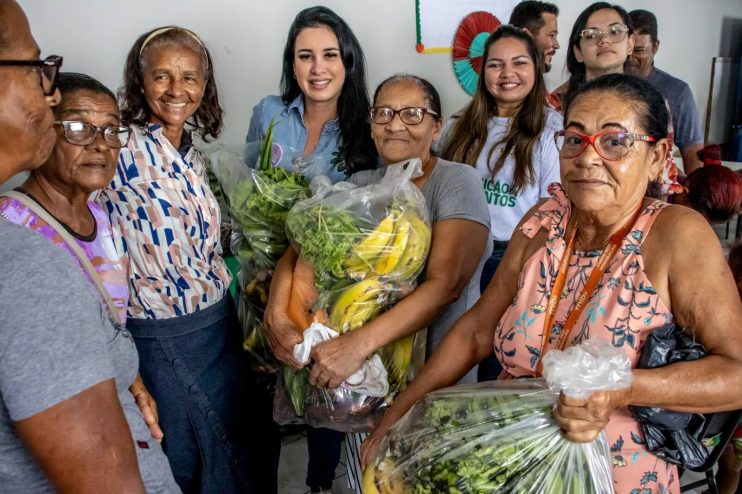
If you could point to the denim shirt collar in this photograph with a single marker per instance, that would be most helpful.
(298, 105)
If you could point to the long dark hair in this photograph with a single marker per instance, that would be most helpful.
(577, 70)
(208, 119)
(469, 133)
(358, 150)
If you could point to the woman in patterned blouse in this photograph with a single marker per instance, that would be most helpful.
(601, 260)
(167, 222)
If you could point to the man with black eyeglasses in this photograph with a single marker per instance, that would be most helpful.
(61, 424)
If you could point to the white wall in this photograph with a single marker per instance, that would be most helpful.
(247, 37)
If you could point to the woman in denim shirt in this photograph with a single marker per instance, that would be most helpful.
(320, 116)
(320, 122)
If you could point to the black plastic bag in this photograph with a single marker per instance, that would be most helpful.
(672, 436)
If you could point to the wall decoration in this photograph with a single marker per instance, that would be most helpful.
(437, 20)
(468, 47)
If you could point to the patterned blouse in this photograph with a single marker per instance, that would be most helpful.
(623, 309)
(166, 220)
(99, 248)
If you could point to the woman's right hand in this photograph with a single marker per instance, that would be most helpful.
(282, 335)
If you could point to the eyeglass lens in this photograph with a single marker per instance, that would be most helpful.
(81, 133)
(409, 116)
(48, 74)
(615, 34)
(610, 146)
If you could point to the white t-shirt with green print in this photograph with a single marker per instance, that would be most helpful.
(507, 209)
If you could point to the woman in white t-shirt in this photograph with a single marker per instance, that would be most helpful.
(507, 134)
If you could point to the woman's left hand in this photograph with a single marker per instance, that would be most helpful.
(582, 420)
(148, 407)
(335, 360)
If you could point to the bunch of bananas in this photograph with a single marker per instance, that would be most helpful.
(385, 261)
(375, 481)
(396, 248)
(359, 303)
(363, 301)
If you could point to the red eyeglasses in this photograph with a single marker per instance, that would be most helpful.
(611, 145)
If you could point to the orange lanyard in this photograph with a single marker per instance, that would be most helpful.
(595, 275)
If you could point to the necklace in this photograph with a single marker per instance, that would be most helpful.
(596, 274)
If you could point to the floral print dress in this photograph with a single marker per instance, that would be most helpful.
(623, 309)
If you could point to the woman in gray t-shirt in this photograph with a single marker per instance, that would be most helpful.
(405, 120)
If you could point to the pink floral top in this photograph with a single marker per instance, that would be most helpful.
(99, 248)
(623, 309)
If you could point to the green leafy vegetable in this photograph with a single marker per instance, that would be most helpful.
(325, 235)
(260, 204)
(498, 441)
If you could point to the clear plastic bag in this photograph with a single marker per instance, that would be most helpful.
(500, 436)
(259, 199)
(365, 247)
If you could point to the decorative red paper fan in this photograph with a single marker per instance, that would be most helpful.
(468, 47)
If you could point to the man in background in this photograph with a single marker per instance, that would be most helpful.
(685, 121)
(539, 19)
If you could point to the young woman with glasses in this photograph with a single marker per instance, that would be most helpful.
(83, 161)
(601, 40)
(506, 134)
(600, 43)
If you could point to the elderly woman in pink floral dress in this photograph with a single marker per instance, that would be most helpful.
(640, 263)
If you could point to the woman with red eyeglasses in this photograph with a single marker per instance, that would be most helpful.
(601, 260)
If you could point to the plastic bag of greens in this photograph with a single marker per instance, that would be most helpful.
(361, 250)
(259, 197)
(500, 436)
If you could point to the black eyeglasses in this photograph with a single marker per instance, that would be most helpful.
(412, 115)
(47, 70)
(83, 133)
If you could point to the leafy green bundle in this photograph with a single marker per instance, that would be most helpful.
(326, 235)
(259, 201)
(487, 442)
(260, 206)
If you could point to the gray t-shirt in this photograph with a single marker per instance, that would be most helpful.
(452, 191)
(55, 342)
(685, 122)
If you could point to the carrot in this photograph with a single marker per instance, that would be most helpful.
(303, 295)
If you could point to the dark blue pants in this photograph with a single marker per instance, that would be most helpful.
(323, 446)
(490, 367)
(219, 435)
